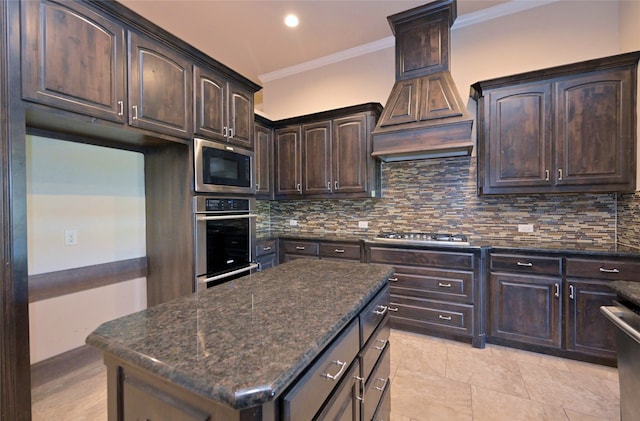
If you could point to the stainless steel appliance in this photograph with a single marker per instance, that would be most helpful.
(222, 168)
(626, 317)
(423, 238)
(225, 237)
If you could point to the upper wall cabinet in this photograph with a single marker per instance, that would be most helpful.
(327, 155)
(567, 129)
(224, 110)
(160, 87)
(74, 59)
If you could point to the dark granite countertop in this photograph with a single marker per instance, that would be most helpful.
(628, 290)
(243, 342)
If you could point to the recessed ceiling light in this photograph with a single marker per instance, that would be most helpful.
(291, 21)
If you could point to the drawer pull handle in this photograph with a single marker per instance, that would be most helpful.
(299, 247)
(384, 343)
(614, 270)
(441, 317)
(384, 384)
(546, 175)
(266, 248)
(381, 311)
(393, 279)
(528, 264)
(121, 106)
(394, 309)
(342, 365)
(443, 285)
(556, 288)
(571, 292)
(338, 251)
(361, 380)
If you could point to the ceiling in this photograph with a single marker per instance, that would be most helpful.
(250, 37)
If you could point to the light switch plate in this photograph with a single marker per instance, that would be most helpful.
(525, 227)
(363, 224)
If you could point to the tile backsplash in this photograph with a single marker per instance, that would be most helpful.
(439, 195)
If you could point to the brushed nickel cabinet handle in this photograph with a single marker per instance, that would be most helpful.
(443, 285)
(546, 175)
(556, 287)
(361, 380)
(528, 264)
(329, 185)
(614, 270)
(225, 131)
(394, 309)
(339, 251)
(384, 384)
(393, 279)
(571, 292)
(560, 174)
(266, 248)
(335, 185)
(231, 133)
(299, 188)
(441, 317)
(384, 343)
(299, 247)
(342, 365)
(382, 310)
(135, 113)
(121, 106)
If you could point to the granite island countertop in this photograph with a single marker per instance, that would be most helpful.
(243, 342)
(629, 290)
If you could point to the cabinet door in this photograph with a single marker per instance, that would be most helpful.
(344, 403)
(264, 161)
(349, 154)
(160, 88)
(526, 309)
(210, 103)
(316, 158)
(288, 158)
(588, 331)
(73, 59)
(518, 146)
(240, 117)
(594, 141)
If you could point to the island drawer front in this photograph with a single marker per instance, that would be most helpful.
(265, 247)
(373, 314)
(308, 394)
(371, 352)
(310, 248)
(430, 314)
(383, 413)
(340, 251)
(526, 264)
(603, 269)
(432, 258)
(376, 385)
(440, 284)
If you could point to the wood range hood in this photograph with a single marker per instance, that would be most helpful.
(424, 116)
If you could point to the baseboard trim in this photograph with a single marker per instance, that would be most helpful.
(53, 368)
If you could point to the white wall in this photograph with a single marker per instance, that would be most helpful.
(549, 35)
(100, 193)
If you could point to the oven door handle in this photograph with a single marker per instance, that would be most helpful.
(226, 274)
(615, 314)
(222, 217)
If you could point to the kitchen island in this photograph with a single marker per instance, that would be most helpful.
(289, 343)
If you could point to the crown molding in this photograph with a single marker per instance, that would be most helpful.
(469, 19)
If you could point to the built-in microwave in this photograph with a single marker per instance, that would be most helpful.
(223, 168)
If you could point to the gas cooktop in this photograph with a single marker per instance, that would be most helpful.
(423, 238)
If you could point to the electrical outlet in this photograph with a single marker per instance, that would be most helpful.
(525, 227)
(293, 222)
(70, 237)
(363, 224)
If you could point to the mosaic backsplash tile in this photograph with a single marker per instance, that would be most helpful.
(439, 195)
(629, 219)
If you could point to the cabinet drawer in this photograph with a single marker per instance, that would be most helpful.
(440, 284)
(373, 314)
(527, 264)
(309, 248)
(309, 393)
(432, 315)
(383, 413)
(431, 258)
(376, 385)
(265, 247)
(340, 251)
(371, 352)
(603, 269)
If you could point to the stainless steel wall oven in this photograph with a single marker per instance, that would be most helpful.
(225, 237)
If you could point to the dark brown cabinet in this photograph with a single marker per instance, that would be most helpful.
(266, 253)
(160, 88)
(434, 291)
(74, 59)
(223, 111)
(565, 129)
(291, 249)
(327, 155)
(263, 154)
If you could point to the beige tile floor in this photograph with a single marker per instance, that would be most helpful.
(432, 379)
